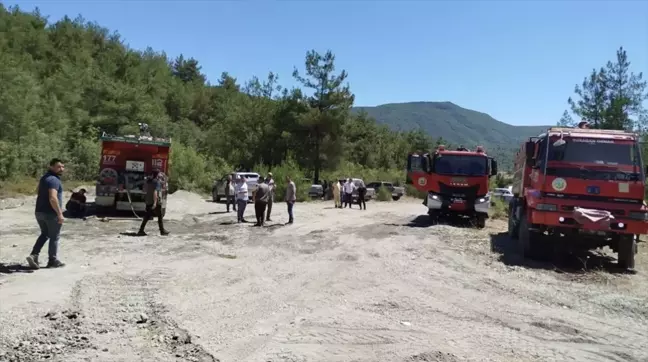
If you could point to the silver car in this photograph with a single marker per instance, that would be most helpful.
(503, 194)
(218, 190)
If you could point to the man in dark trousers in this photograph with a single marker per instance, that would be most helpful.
(261, 201)
(271, 186)
(49, 215)
(362, 192)
(229, 194)
(153, 201)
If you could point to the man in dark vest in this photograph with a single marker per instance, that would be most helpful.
(153, 201)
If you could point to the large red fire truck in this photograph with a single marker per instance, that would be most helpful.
(456, 182)
(584, 186)
(125, 163)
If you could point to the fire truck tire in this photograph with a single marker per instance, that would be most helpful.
(529, 243)
(626, 251)
(480, 221)
(513, 229)
(434, 217)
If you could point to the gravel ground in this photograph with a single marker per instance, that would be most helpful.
(338, 285)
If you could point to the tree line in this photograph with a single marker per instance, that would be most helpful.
(611, 97)
(64, 83)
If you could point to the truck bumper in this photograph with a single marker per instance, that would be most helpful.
(105, 201)
(565, 221)
(481, 205)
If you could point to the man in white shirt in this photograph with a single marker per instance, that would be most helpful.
(349, 187)
(241, 198)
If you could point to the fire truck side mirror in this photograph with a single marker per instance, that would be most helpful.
(425, 162)
(493, 168)
(530, 152)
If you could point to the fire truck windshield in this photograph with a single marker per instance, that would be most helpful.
(461, 165)
(602, 152)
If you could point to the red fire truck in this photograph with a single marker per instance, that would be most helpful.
(125, 163)
(456, 182)
(584, 186)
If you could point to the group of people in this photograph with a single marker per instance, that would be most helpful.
(343, 193)
(237, 195)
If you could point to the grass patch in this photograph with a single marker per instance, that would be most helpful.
(499, 209)
(383, 194)
(411, 191)
(28, 185)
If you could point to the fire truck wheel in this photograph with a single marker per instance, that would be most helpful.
(513, 229)
(529, 241)
(480, 221)
(626, 251)
(434, 217)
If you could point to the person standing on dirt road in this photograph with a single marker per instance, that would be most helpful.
(241, 198)
(261, 201)
(153, 202)
(362, 192)
(271, 184)
(336, 193)
(291, 197)
(49, 215)
(349, 187)
(229, 194)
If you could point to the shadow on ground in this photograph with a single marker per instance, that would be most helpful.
(423, 221)
(556, 259)
(14, 268)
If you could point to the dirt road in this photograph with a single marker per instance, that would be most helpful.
(338, 285)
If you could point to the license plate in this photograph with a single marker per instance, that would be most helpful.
(458, 201)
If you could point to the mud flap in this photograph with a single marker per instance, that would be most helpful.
(627, 249)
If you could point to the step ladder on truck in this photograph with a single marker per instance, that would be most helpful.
(126, 162)
(456, 182)
(579, 188)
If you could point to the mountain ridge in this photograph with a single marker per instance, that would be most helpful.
(455, 124)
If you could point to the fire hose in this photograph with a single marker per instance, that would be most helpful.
(130, 201)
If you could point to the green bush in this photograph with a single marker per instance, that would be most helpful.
(411, 191)
(499, 209)
(383, 194)
(191, 171)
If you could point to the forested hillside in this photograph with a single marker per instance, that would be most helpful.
(452, 122)
(64, 83)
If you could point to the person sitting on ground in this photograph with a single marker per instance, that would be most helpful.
(76, 206)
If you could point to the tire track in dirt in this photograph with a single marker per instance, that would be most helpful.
(126, 315)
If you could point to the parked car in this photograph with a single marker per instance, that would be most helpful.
(316, 191)
(371, 192)
(503, 194)
(218, 190)
(396, 191)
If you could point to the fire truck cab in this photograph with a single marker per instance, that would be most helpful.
(125, 163)
(583, 186)
(456, 182)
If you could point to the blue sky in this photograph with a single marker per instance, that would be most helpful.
(515, 60)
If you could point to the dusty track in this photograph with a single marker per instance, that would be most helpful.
(339, 285)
